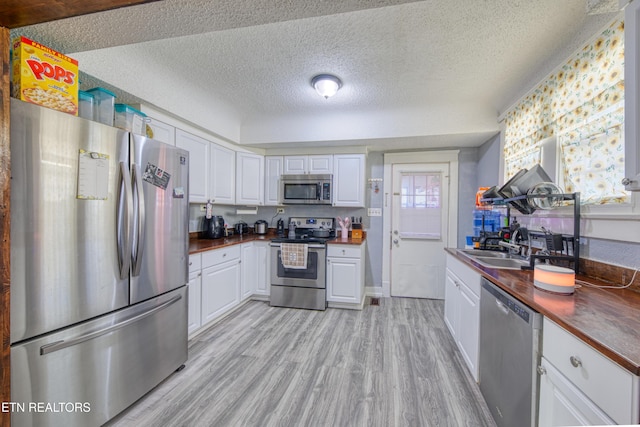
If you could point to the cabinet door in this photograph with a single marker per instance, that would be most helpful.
(198, 149)
(195, 297)
(348, 180)
(263, 281)
(295, 165)
(249, 179)
(563, 404)
(220, 290)
(272, 171)
(451, 303)
(161, 131)
(343, 280)
(222, 184)
(249, 270)
(468, 333)
(320, 164)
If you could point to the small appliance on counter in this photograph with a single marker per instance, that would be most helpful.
(213, 227)
(260, 227)
(241, 228)
(280, 228)
(213, 224)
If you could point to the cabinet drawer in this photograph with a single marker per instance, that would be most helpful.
(608, 385)
(344, 251)
(464, 273)
(195, 262)
(219, 256)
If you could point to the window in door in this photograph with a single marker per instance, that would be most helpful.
(420, 205)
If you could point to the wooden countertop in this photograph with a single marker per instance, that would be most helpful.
(197, 245)
(606, 319)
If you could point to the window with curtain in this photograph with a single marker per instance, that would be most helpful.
(582, 106)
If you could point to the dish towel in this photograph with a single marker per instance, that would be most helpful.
(294, 255)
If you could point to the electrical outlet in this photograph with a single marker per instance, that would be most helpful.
(374, 212)
(280, 210)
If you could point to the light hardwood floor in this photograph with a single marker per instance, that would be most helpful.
(389, 365)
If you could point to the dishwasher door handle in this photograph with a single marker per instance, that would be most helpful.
(502, 307)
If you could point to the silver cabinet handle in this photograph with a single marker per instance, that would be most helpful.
(575, 361)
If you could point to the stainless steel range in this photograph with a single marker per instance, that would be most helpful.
(298, 264)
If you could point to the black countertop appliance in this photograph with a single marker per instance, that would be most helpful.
(280, 228)
(213, 227)
(241, 228)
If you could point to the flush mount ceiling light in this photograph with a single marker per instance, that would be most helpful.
(326, 84)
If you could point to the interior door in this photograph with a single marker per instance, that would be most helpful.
(419, 229)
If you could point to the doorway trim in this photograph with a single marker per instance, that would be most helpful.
(445, 156)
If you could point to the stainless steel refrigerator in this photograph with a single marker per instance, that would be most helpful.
(99, 253)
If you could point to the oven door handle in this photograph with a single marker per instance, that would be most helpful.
(311, 246)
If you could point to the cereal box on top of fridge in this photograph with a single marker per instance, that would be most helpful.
(43, 76)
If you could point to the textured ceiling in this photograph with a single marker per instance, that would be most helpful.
(434, 73)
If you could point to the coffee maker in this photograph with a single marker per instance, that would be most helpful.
(280, 228)
(213, 227)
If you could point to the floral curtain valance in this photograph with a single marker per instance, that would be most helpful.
(589, 86)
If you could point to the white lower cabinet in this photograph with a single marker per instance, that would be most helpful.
(249, 271)
(194, 320)
(220, 282)
(563, 404)
(462, 310)
(580, 386)
(345, 276)
(263, 270)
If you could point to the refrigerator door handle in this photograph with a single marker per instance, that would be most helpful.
(62, 344)
(123, 226)
(137, 182)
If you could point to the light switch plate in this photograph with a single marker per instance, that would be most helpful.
(374, 212)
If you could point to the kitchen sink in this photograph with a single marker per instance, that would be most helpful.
(484, 254)
(495, 259)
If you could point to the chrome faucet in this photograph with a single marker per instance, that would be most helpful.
(514, 247)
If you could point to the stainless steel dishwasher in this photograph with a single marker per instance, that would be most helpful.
(510, 335)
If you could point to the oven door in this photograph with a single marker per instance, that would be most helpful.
(311, 277)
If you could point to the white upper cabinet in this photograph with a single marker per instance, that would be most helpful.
(272, 172)
(321, 164)
(315, 164)
(198, 149)
(349, 180)
(161, 131)
(222, 180)
(249, 179)
(295, 165)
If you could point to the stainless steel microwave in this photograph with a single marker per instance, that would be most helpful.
(305, 189)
